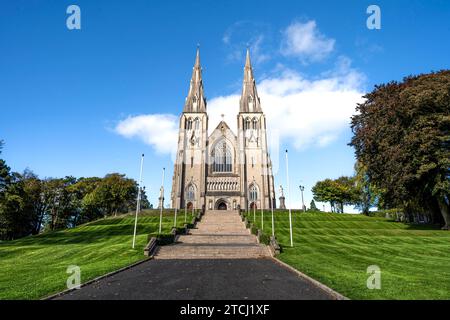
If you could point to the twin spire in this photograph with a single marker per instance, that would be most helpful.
(196, 101)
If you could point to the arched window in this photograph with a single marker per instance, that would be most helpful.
(190, 193)
(253, 192)
(189, 124)
(247, 124)
(222, 159)
(196, 123)
(255, 123)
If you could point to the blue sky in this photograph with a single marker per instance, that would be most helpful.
(65, 93)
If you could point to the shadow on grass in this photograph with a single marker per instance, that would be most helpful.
(81, 236)
(416, 226)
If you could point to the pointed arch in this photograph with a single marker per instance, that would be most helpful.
(188, 123)
(247, 123)
(222, 157)
(255, 123)
(253, 192)
(190, 192)
(197, 123)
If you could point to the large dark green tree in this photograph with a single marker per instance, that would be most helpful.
(401, 136)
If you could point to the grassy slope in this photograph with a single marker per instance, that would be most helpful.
(36, 266)
(336, 249)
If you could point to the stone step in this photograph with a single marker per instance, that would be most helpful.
(219, 235)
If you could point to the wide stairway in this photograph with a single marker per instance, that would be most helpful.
(219, 235)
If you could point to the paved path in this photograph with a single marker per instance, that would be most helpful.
(235, 279)
(219, 235)
(219, 259)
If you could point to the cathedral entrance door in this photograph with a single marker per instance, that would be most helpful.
(222, 206)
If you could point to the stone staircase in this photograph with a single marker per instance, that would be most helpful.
(219, 235)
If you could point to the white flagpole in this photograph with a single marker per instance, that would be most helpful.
(162, 201)
(138, 202)
(175, 202)
(273, 223)
(262, 216)
(289, 198)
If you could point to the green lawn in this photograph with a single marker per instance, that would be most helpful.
(336, 249)
(34, 267)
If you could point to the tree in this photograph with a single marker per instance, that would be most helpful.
(338, 192)
(115, 193)
(29, 204)
(401, 134)
(5, 177)
(367, 195)
(34, 200)
(61, 205)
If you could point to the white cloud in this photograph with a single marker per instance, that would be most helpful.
(304, 40)
(157, 130)
(303, 112)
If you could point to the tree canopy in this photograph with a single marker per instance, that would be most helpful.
(338, 192)
(29, 204)
(401, 137)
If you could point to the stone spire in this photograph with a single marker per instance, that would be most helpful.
(249, 99)
(196, 101)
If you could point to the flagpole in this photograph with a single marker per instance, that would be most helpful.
(175, 202)
(289, 198)
(138, 201)
(273, 223)
(262, 216)
(162, 201)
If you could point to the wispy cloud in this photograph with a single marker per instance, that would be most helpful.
(305, 41)
(244, 34)
(304, 112)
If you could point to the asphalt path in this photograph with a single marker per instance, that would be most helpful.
(215, 279)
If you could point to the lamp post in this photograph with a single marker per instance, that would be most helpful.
(302, 188)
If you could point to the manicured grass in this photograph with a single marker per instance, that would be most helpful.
(336, 249)
(34, 267)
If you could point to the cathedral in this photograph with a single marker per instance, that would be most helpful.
(223, 170)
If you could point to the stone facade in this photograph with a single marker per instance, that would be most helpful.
(222, 171)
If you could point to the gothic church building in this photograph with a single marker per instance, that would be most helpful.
(224, 170)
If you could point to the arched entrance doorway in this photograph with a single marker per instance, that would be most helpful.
(222, 206)
(253, 205)
(190, 206)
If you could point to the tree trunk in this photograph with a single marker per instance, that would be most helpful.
(443, 206)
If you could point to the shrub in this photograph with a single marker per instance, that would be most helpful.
(264, 238)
